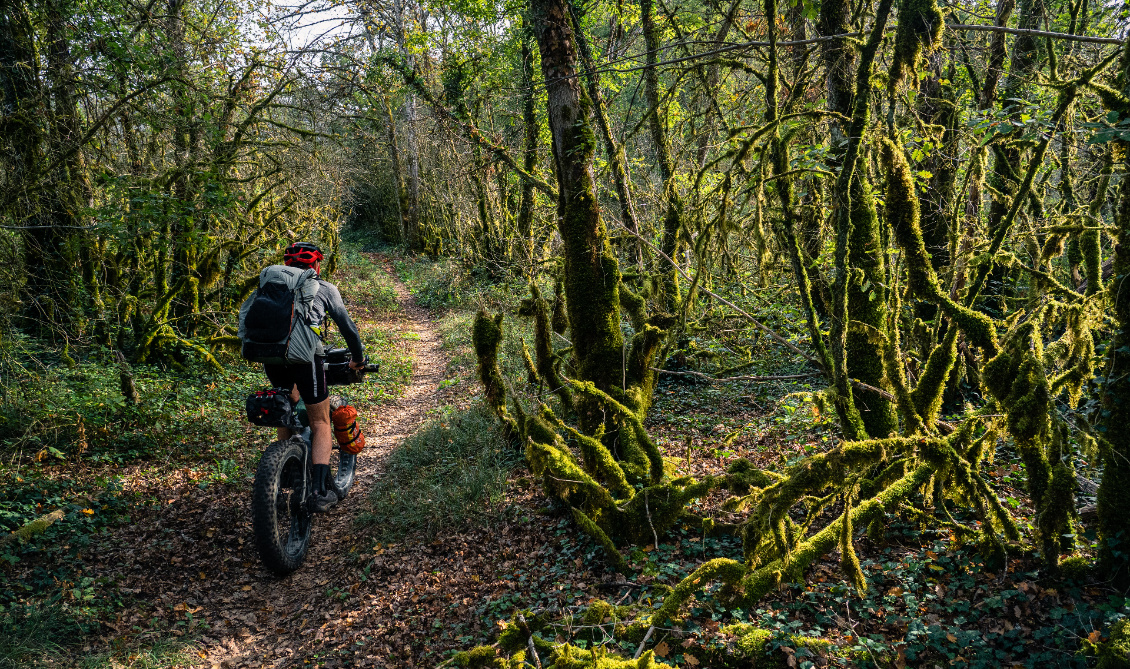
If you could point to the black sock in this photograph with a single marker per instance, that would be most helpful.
(321, 475)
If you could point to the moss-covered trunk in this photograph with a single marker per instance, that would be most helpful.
(859, 291)
(617, 158)
(672, 202)
(530, 141)
(592, 275)
(1004, 176)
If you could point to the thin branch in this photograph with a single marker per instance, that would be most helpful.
(646, 638)
(1036, 33)
(856, 383)
(714, 379)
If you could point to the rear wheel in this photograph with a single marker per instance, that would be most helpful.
(278, 510)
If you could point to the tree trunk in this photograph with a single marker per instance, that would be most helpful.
(21, 152)
(612, 149)
(591, 273)
(672, 202)
(411, 145)
(529, 146)
(69, 194)
(839, 63)
(402, 204)
(859, 292)
(1005, 171)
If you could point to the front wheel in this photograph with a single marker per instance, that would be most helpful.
(278, 510)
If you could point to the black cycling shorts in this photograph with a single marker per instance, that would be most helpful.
(310, 379)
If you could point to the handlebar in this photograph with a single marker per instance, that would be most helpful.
(338, 371)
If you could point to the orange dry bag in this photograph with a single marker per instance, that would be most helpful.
(348, 434)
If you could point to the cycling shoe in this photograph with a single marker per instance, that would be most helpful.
(322, 502)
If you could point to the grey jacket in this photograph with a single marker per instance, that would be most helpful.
(328, 302)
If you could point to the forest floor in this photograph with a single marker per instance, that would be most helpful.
(445, 535)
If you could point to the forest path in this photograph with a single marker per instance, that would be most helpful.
(282, 620)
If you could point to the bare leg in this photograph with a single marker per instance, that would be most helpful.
(321, 434)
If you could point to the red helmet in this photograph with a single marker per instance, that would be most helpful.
(302, 254)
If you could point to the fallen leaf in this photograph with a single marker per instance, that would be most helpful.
(246, 588)
(661, 649)
(951, 637)
(691, 660)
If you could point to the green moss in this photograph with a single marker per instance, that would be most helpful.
(639, 457)
(896, 374)
(1016, 379)
(744, 476)
(927, 396)
(563, 478)
(570, 657)
(543, 346)
(486, 336)
(560, 316)
(599, 460)
(1090, 244)
(920, 28)
(479, 657)
(849, 561)
(1114, 653)
(903, 213)
(634, 305)
(718, 569)
(1076, 568)
(37, 526)
(756, 584)
(749, 641)
(867, 303)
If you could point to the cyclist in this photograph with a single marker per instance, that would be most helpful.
(309, 382)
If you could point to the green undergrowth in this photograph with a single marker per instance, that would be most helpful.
(450, 473)
(930, 602)
(450, 284)
(42, 636)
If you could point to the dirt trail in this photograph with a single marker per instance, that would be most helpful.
(191, 559)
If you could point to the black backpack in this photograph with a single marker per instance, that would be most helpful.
(274, 323)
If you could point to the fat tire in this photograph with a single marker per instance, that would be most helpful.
(282, 551)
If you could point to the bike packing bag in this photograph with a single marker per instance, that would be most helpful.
(274, 323)
(349, 436)
(271, 408)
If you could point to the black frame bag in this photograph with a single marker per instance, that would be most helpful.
(271, 408)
